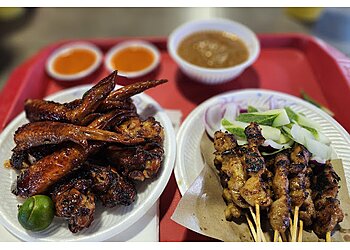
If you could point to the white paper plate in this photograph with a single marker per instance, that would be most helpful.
(108, 222)
(189, 162)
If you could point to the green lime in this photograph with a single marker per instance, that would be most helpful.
(36, 213)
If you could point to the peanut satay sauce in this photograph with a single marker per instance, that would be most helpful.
(213, 49)
(133, 58)
(74, 61)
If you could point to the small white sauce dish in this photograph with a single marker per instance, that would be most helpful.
(152, 49)
(208, 75)
(68, 48)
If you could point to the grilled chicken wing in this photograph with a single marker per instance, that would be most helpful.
(41, 110)
(130, 90)
(23, 159)
(42, 174)
(110, 187)
(138, 163)
(149, 129)
(47, 132)
(75, 201)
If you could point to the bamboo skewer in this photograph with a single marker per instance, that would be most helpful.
(251, 226)
(328, 237)
(300, 235)
(295, 224)
(275, 236)
(258, 226)
(290, 228)
(255, 221)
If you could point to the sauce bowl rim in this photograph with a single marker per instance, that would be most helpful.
(133, 43)
(178, 33)
(71, 46)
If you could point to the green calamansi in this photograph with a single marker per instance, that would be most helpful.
(36, 213)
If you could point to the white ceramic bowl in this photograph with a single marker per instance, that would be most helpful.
(206, 75)
(107, 222)
(133, 43)
(67, 48)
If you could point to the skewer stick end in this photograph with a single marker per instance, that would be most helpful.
(328, 237)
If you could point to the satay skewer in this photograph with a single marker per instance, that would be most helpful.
(255, 221)
(301, 228)
(251, 227)
(295, 224)
(290, 227)
(276, 236)
(258, 226)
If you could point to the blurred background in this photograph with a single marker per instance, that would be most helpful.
(24, 31)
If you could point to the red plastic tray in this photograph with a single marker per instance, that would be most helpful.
(288, 63)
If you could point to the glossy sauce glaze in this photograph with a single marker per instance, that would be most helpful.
(213, 49)
(131, 59)
(74, 61)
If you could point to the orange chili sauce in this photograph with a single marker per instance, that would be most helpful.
(74, 61)
(132, 59)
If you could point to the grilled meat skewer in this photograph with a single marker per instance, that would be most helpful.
(279, 214)
(231, 173)
(300, 157)
(307, 209)
(325, 191)
(255, 190)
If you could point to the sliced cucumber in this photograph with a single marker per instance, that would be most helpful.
(302, 120)
(281, 119)
(270, 132)
(256, 117)
(237, 128)
(283, 139)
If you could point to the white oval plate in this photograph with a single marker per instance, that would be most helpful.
(189, 162)
(107, 222)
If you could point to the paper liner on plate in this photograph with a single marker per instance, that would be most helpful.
(201, 208)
